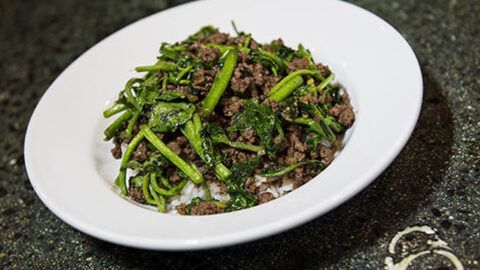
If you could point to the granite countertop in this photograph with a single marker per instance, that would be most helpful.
(434, 182)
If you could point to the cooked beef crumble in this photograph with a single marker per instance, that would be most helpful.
(226, 109)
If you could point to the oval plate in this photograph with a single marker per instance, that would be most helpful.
(70, 168)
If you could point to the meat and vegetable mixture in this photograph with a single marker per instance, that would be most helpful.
(222, 123)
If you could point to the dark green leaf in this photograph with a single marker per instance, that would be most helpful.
(258, 117)
(240, 200)
(167, 116)
(170, 95)
(240, 173)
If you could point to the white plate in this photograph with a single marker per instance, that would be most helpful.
(70, 168)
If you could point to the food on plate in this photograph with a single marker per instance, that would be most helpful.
(221, 123)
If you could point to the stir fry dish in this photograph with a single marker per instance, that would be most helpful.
(221, 123)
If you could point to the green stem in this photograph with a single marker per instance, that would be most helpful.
(183, 72)
(170, 192)
(195, 176)
(322, 129)
(328, 120)
(121, 178)
(131, 124)
(112, 129)
(116, 108)
(129, 92)
(164, 81)
(300, 72)
(159, 201)
(243, 146)
(161, 65)
(146, 191)
(284, 170)
(278, 127)
(192, 131)
(248, 39)
(220, 83)
(287, 89)
(165, 182)
(208, 195)
(325, 82)
(278, 61)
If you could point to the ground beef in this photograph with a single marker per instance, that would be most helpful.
(243, 57)
(231, 105)
(233, 155)
(175, 147)
(203, 80)
(184, 90)
(182, 209)
(298, 178)
(325, 98)
(141, 153)
(188, 152)
(247, 136)
(241, 79)
(274, 105)
(264, 197)
(117, 149)
(172, 175)
(208, 55)
(136, 193)
(326, 154)
(206, 208)
(251, 185)
(309, 99)
(344, 113)
(217, 38)
(324, 70)
(297, 64)
(296, 149)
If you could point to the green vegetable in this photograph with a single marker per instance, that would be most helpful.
(193, 174)
(203, 32)
(239, 201)
(171, 191)
(280, 171)
(163, 66)
(240, 198)
(319, 127)
(112, 129)
(327, 120)
(217, 134)
(220, 83)
(204, 147)
(116, 108)
(132, 122)
(326, 82)
(240, 173)
(159, 201)
(278, 63)
(258, 117)
(303, 53)
(121, 178)
(170, 95)
(167, 116)
(129, 93)
(300, 72)
(287, 89)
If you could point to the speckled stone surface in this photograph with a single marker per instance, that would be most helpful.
(435, 180)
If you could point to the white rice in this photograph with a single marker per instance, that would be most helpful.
(190, 191)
